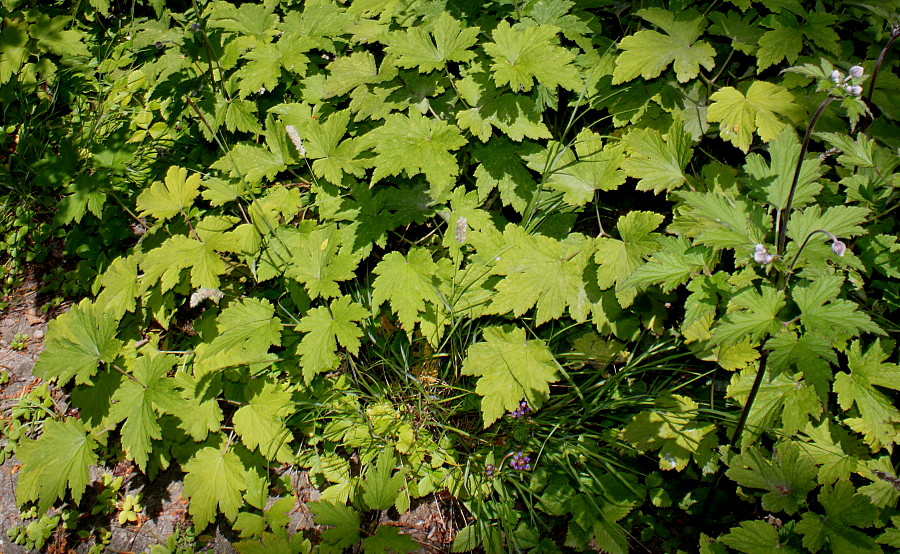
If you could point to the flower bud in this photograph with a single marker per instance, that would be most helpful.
(856, 71)
(760, 257)
(760, 248)
(855, 90)
(836, 76)
(838, 248)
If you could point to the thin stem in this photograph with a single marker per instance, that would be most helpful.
(786, 213)
(895, 32)
(736, 435)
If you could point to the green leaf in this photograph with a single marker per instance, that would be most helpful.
(753, 315)
(501, 167)
(788, 475)
(618, 259)
(13, 39)
(408, 283)
(317, 258)
(649, 53)
(260, 421)
(830, 446)
(50, 35)
(755, 537)
(387, 540)
(381, 485)
(214, 477)
(658, 161)
(672, 429)
(140, 401)
(121, 287)
(783, 396)
(844, 508)
(762, 110)
(510, 369)
(348, 72)
(431, 49)
(678, 264)
(325, 327)
(174, 197)
(76, 342)
(247, 329)
(822, 311)
(879, 418)
(525, 54)
(333, 156)
(198, 414)
(773, 179)
(343, 519)
(165, 263)
(544, 272)
(251, 163)
(812, 354)
(843, 221)
(514, 115)
(61, 457)
(591, 167)
(785, 40)
(415, 144)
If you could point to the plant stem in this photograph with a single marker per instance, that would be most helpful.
(736, 435)
(895, 32)
(786, 212)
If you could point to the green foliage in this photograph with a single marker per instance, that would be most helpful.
(498, 251)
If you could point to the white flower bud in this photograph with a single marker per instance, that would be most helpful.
(203, 293)
(838, 248)
(856, 71)
(462, 227)
(855, 90)
(760, 257)
(836, 76)
(295, 138)
(760, 248)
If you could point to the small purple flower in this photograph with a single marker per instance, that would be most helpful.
(520, 462)
(489, 470)
(195, 26)
(856, 71)
(838, 247)
(521, 411)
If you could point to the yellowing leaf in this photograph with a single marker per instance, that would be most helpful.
(544, 272)
(175, 196)
(510, 369)
(325, 327)
(649, 53)
(215, 478)
(260, 421)
(762, 110)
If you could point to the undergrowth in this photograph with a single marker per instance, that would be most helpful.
(612, 276)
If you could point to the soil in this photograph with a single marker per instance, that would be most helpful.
(431, 521)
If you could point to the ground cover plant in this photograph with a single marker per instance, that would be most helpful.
(613, 276)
